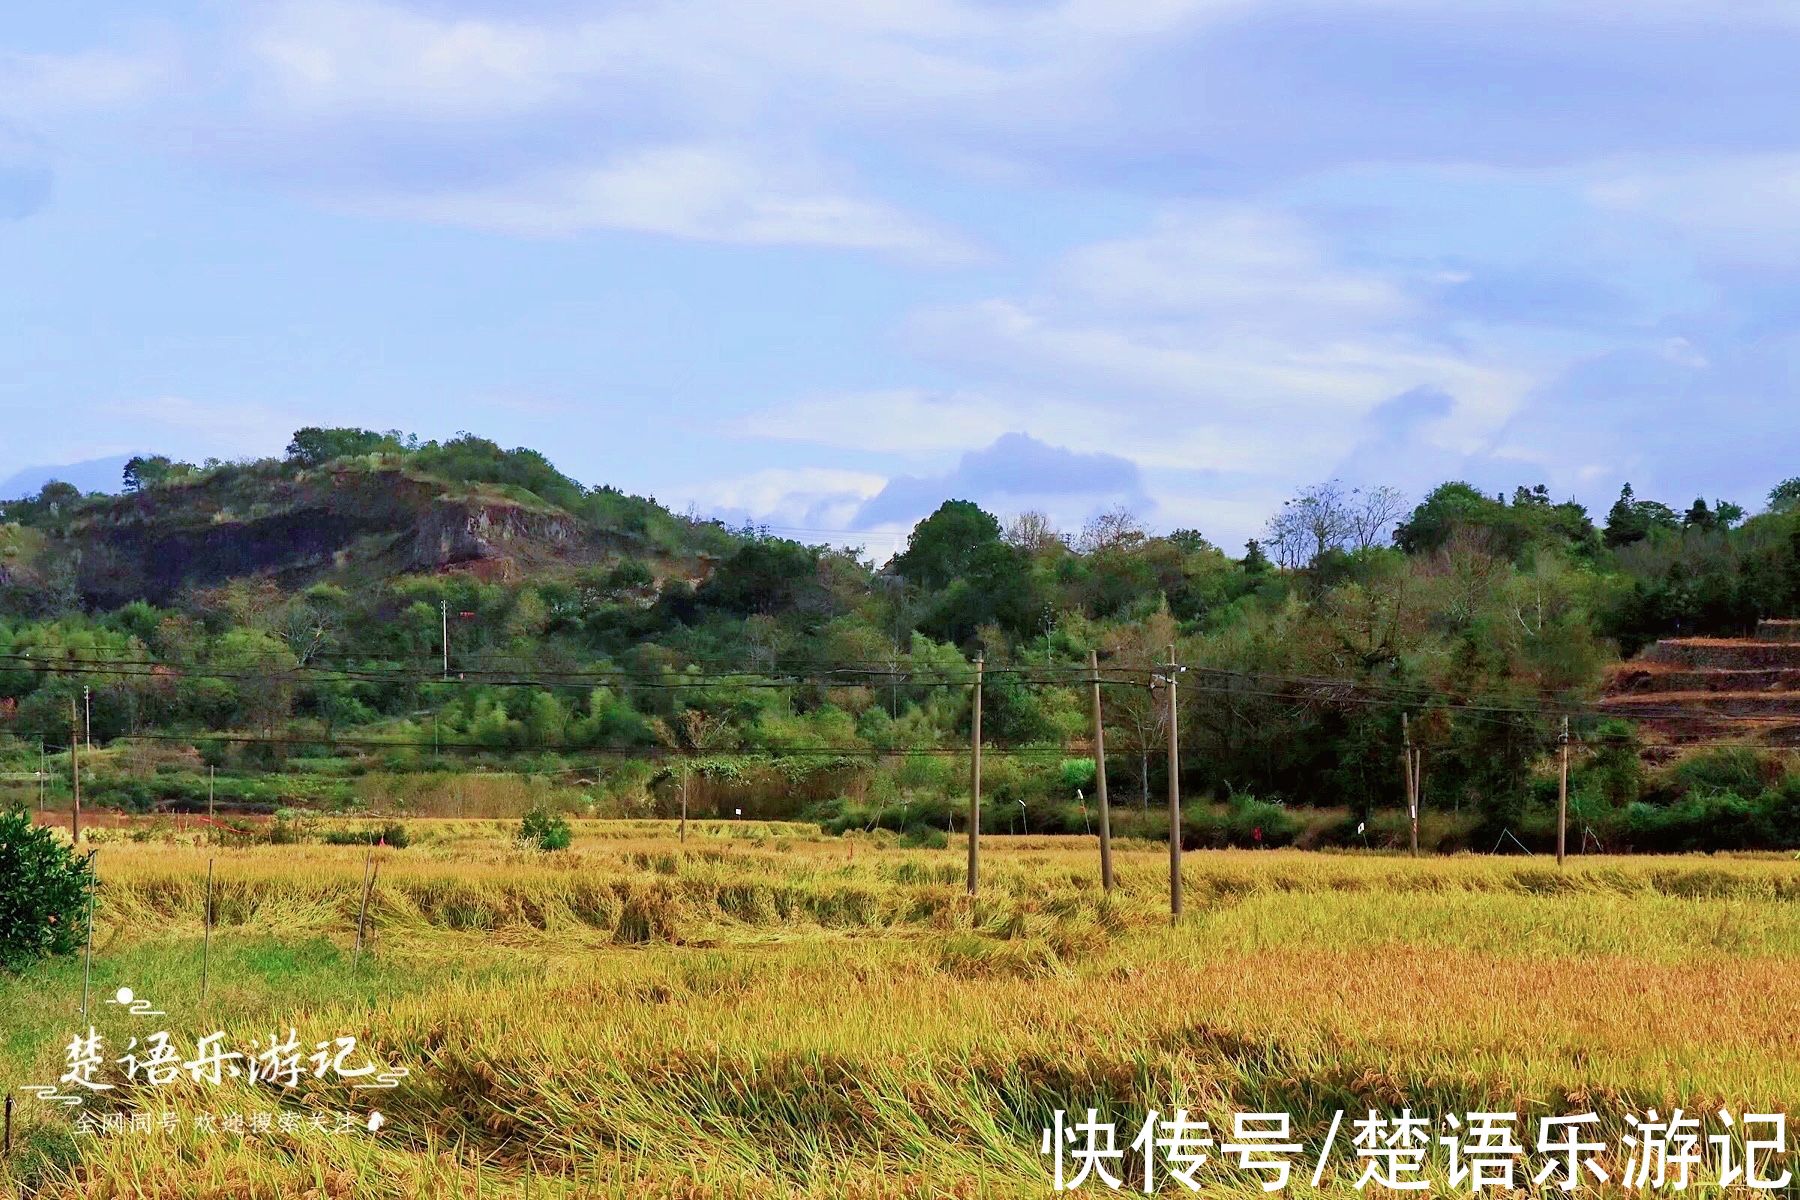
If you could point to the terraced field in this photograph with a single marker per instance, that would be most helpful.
(1686, 690)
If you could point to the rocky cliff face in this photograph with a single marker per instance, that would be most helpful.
(455, 531)
(157, 545)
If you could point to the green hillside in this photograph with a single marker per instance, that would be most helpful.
(282, 623)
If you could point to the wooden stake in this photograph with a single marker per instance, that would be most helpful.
(362, 908)
(1562, 794)
(87, 969)
(1174, 800)
(1106, 864)
(206, 931)
(975, 782)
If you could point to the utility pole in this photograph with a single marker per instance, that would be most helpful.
(1106, 865)
(444, 617)
(75, 771)
(1174, 800)
(685, 772)
(975, 782)
(1418, 782)
(41, 774)
(209, 791)
(1562, 794)
(87, 708)
(1409, 769)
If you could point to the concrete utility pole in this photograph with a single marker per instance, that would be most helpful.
(75, 770)
(209, 792)
(41, 774)
(444, 617)
(975, 783)
(685, 772)
(87, 720)
(1409, 769)
(1106, 866)
(1562, 794)
(1174, 800)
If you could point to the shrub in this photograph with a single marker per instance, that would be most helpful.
(1735, 769)
(1077, 773)
(43, 893)
(392, 833)
(545, 829)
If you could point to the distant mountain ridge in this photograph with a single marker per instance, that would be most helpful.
(90, 475)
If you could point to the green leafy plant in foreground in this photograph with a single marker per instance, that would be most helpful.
(43, 893)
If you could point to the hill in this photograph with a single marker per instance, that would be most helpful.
(350, 520)
(370, 605)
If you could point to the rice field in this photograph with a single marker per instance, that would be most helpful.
(762, 1011)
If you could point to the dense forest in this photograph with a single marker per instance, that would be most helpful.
(281, 624)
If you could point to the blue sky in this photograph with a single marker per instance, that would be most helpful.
(825, 262)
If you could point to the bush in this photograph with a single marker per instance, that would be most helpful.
(43, 893)
(392, 833)
(545, 829)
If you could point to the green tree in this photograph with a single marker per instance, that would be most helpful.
(947, 544)
(1785, 496)
(43, 893)
(146, 471)
(315, 446)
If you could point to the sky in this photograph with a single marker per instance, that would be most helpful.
(822, 264)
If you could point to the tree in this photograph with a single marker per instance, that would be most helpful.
(1114, 529)
(43, 893)
(1324, 518)
(1785, 496)
(943, 545)
(147, 471)
(1372, 514)
(767, 576)
(1032, 532)
(1632, 520)
(315, 446)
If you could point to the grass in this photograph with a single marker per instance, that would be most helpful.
(763, 1012)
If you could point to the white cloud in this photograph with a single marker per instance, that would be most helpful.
(1224, 338)
(809, 504)
(706, 193)
(1224, 343)
(347, 56)
(1743, 210)
(40, 85)
(1232, 265)
(728, 60)
(909, 421)
(789, 493)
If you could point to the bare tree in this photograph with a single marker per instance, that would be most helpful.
(1325, 517)
(1115, 529)
(1032, 531)
(1373, 513)
(1139, 716)
(1313, 522)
